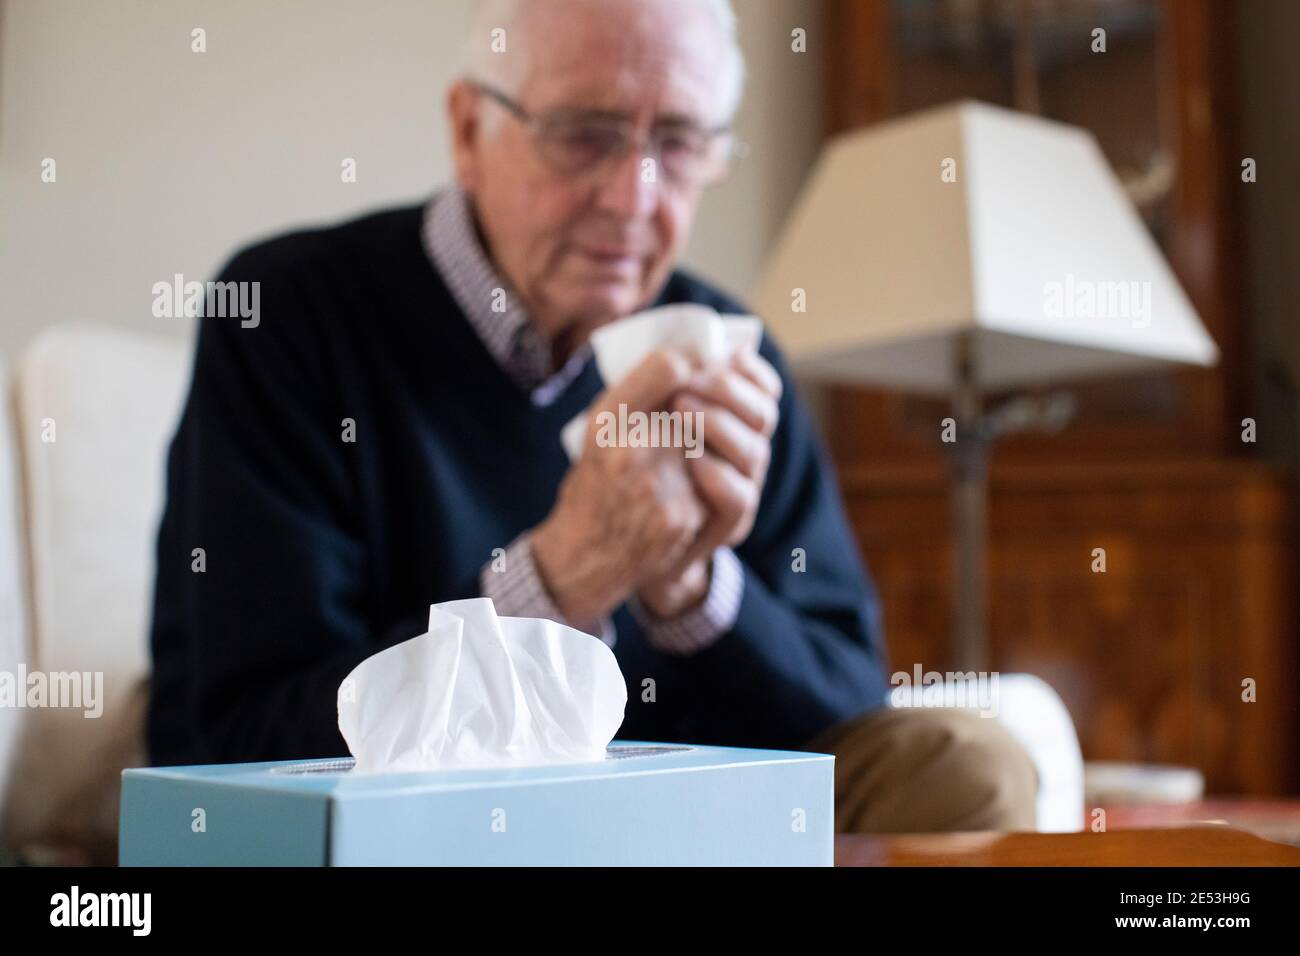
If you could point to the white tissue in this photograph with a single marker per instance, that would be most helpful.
(479, 690)
(697, 331)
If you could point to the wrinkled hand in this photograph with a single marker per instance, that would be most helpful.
(624, 515)
(738, 401)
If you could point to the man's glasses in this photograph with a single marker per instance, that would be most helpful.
(580, 142)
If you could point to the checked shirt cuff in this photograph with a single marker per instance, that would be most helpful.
(697, 629)
(517, 590)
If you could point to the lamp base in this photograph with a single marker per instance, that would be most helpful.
(975, 432)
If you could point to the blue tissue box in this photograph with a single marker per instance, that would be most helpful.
(644, 805)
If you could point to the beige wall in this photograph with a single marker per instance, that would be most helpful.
(168, 159)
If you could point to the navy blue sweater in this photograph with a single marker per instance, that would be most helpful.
(317, 552)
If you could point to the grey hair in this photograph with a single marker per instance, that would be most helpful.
(508, 71)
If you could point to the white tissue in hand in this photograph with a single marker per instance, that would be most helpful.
(479, 690)
(697, 331)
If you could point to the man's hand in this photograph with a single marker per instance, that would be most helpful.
(624, 516)
(738, 400)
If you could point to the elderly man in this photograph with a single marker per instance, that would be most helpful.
(386, 436)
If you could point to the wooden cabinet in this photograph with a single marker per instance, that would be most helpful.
(1150, 655)
(1159, 102)
(1198, 592)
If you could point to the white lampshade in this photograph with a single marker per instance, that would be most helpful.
(1034, 249)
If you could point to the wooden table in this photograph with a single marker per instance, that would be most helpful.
(1187, 846)
(1273, 819)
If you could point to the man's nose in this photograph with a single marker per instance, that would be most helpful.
(630, 187)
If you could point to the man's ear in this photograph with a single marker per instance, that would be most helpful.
(466, 131)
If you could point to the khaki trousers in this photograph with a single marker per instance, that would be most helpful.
(926, 770)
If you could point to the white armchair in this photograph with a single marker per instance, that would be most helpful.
(95, 407)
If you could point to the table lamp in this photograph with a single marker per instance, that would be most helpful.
(966, 249)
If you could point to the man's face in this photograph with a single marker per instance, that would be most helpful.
(582, 250)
